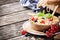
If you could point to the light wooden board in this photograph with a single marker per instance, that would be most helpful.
(10, 8)
(14, 17)
(3, 2)
(10, 31)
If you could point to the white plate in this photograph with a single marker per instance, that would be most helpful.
(27, 27)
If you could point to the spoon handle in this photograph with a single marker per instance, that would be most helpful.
(55, 10)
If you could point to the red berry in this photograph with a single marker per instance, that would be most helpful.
(59, 28)
(42, 22)
(56, 28)
(23, 32)
(52, 31)
(32, 18)
(52, 28)
(48, 34)
(49, 30)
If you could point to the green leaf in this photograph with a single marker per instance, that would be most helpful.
(48, 15)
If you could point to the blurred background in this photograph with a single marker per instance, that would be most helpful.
(3, 2)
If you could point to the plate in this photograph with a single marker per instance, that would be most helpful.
(27, 27)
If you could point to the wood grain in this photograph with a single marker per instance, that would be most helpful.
(11, 31)
(57, 37)
(14, 17)
(3, 2)
(26, 38)
(10, 8)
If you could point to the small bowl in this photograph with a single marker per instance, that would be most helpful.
(42, 27)
(39, 27)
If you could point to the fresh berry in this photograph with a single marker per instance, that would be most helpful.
(53, 29)
(49, 30)
(43, 22)
(23, 32)
(48, 34)
(32, 18)
(35, 20)
(56, 28)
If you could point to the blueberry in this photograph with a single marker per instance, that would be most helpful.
(35, 20)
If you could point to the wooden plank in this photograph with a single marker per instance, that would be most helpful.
(2, 2)
(10, 31)
(26, 38)
(15, 17)
(57, 37)
(10, 8)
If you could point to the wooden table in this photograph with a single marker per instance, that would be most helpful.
(12, 16)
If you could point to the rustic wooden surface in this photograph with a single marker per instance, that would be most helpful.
(10, 8)
(12, 16)
(2, 2)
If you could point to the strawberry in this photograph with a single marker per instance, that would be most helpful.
(42, 22)
(23, 32)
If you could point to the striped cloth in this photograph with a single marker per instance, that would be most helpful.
(29, 3)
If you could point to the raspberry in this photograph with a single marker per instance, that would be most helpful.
(23, 32)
